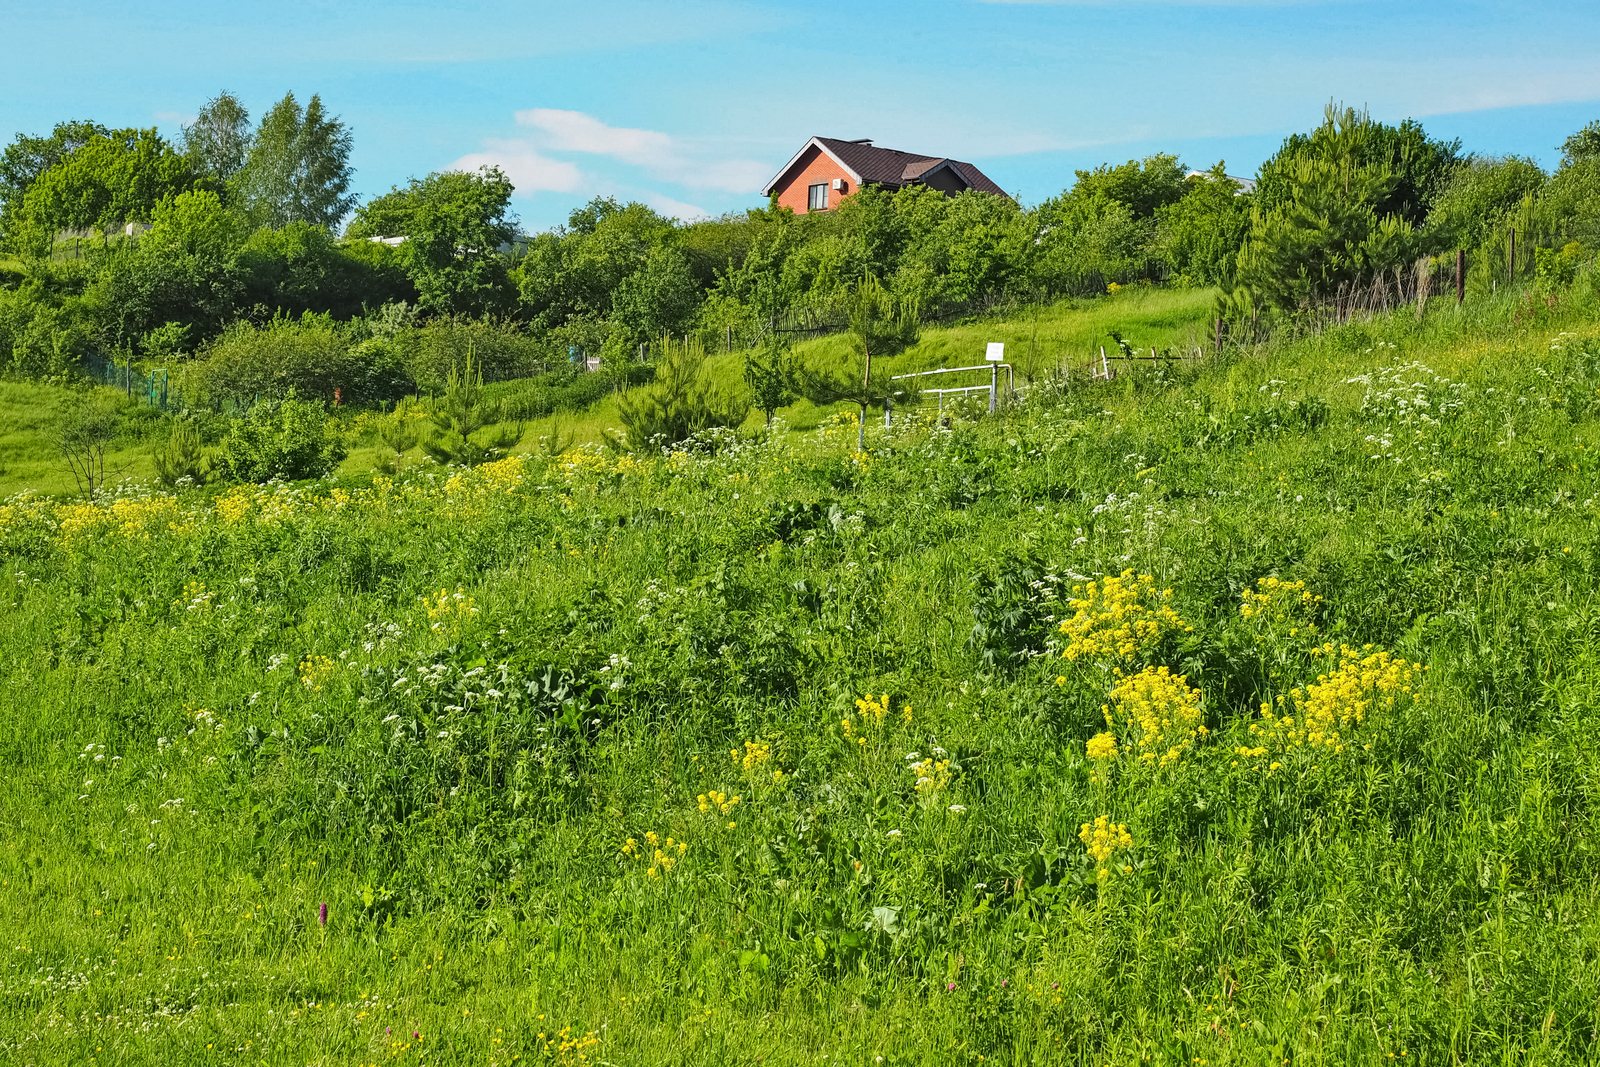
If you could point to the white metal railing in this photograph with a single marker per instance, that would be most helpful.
(993, 388)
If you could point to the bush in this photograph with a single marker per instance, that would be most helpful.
(499, 349)
(309, 356)
(681, 402)
(289, 439)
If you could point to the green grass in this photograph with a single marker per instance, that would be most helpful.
(512, 673)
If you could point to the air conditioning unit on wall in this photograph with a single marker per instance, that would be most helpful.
(838, 185)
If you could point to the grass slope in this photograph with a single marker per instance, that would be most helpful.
(1038, 343)
(496, 724)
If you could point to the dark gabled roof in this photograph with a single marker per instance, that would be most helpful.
(886, 166)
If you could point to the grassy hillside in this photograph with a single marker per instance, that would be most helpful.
(783, 755)
(1040, 343)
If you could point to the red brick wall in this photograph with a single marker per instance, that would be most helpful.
(812, 168)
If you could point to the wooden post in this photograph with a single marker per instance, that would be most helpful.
(1105, 368)
(888, 407)
(1461, 291)
(730, 337)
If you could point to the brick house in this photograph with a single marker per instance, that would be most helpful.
(827, 170)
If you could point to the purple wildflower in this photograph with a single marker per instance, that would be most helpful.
(322, 915)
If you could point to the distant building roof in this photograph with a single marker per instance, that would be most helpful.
(867, 163)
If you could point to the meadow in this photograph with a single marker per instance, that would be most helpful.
(1235, 711)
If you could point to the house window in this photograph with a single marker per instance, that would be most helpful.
(818, 200)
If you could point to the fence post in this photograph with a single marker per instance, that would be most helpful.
(994, 385)
(888, 407)
(1461, 291)
(1511, 259)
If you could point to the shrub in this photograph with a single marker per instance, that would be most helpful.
(183, 456)
(289, 439)
(681, 402)
(500, 351)
(309, 356)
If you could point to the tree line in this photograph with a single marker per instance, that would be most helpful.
(124, 247)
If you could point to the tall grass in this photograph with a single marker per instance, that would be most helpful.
(444, 704)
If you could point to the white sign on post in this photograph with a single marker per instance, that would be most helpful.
(995, 353)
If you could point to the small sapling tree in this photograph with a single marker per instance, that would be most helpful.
(774, 376)
(881, 325)
(464, 412)
(85, 427)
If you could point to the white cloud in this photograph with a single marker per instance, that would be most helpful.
(674, 209)
(529, 171)
(574, 131)
(661, 155)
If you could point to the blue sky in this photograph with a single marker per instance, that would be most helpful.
(690, 106)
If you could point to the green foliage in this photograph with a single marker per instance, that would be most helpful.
(774, 374)
(1325, 225)
(464, 412)
(218, 142)
(400, 431)
(184, 459)
(1481, 195)
(1200, 234)
(301, 268)
(181, 271)
(288, 439)
(1585, 144)
(27, 157)
(881, 324)
(86, 425)
(1416, 168)
(659, 299)
(103, 182)
(298, 167)
(454, 225)
(310, 357)
(682, 401)
(1145, 186)
(501, 350)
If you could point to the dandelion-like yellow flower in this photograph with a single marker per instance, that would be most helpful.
(316, 670)
(1117, 618)
(1104, 839)
(1102, 746)
(1162, 712)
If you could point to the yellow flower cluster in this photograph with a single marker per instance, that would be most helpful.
(448, 612)
(873, 713)
(1117, 618)
(196, 597)
(1274, 598)
(316, 670)
(565, 1047)
(129, 519)
(1104, 839)
(755, 756)
(1102, 746)
(933, 775)
(663, 855)
(1162, 709)
(1325, 713)
(713, 801)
